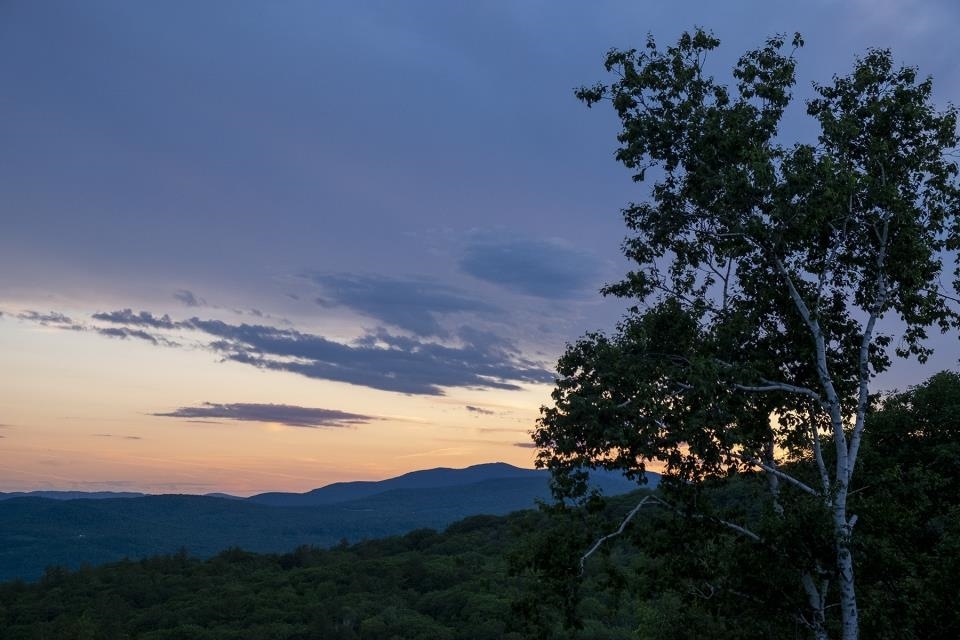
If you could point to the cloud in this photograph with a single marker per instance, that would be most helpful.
(414, 305)
(188, 298)
(525, 445)
(49, 319)
(290, 415)
(142, 319)
(124, 333)
(110, 435)
(481, 411)
(380, 360)
(468, 357)
(548, 269)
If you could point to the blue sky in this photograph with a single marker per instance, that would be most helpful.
(269, 245)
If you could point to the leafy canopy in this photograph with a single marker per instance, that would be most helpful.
(768, 278)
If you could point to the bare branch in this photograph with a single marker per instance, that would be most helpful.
(798, 301)
(652, 499)
(769, 385)
(940, 293)
(818, 455)
(620, 529)
(739, 529)
(833, 399)
(816, 600)
(786, 477)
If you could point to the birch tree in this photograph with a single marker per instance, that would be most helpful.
(771, 281)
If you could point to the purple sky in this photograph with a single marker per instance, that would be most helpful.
(329, 240)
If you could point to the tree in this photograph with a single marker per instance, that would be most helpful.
(911, 513)
(771, 284)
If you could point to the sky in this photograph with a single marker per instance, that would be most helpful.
(253, 246)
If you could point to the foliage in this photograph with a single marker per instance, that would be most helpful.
(424, 584)
(485, 577)
(768, 281)
(910, 495)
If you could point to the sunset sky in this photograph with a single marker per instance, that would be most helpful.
(251, 246)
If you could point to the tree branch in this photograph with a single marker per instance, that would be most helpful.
(818, 455)
(652, 499)
(739, 529)
(620, 529)
(833, 399)
(769, 385)
(786, 477)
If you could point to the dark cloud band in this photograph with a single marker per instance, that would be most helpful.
(423, 365)
(289, 415)
(379, 360)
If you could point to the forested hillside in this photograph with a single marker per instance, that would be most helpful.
(476, 580)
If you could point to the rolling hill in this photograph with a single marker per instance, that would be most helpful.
(36, 532)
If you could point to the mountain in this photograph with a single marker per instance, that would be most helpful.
(36, 532)
(426, 479)
(610, 483)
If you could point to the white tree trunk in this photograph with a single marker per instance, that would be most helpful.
(843, 533)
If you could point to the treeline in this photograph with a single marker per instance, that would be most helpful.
(479, 579)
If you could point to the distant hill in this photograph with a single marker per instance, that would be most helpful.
(71, 495)
(426, 479)
(37, 532)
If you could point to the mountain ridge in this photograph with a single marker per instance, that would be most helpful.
(420, 479)
(342, 491)
(36, 532)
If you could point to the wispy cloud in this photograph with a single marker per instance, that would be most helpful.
(525, 445)
(123, 333)
(188, 298)
(548, 269)
(124, 317)
(142, 319)
(479, 410)
(413, 304)
(52, 318)
(289, 415)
